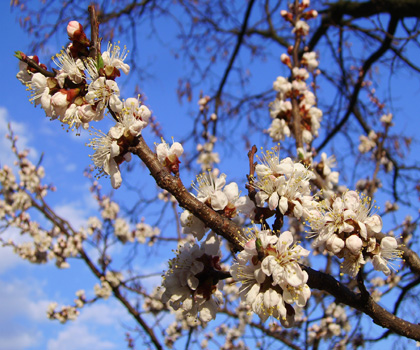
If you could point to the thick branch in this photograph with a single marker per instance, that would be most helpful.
(222, 226)
(231, 232)
(364, 304)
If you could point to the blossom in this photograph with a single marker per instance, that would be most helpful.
(301, 27)
(74, 117)
(132, 106)
(282, 85)
(278, 130)
(334, 218)
(144, 231)
(68, 68)
(346, 227)
(115, 57)
(103, 92)
(60, 102)
(309, 59)
(122, 230)
(76, 33)
(270, 276)
(190, 282)
(207, 157)
(193, 225)
(386, 118)
(209, 190)
(388, 251)
(39, 88)
(169, 156)
(127, 127)
(280, 108)
(106, 150)
(283, 184)
(367, 142)
(73, 27)
(24, 76)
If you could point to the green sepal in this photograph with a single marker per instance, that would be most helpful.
(99, 62)
(18, 55)
(258, 244)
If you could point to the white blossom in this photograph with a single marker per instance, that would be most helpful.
(182, 288)
(266, 262)
(115, 57)
(103, 92)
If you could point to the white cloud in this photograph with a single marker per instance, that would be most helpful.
(21, 302)
(78, 337)
(105, 313)
(8, 259)
(74, 213)
(18, 338)
(91, 331)
(24, 325)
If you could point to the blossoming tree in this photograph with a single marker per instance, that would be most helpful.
(287, 255)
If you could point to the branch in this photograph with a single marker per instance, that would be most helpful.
(231, 232)
(392, 26)
(67, 228)
(232, 59)
(363, 303)
(94, 28)
(219, 224)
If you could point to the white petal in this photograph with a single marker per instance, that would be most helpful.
(208, 312)
(271, 298)
(374, 223)
(231, 191)
(218, 200)
(273, 201)
(283, 205)
(354, 244)
(177, 149)
(294, 275)
(389, 243)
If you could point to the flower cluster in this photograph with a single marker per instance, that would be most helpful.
(296, 89)
(283, 184)
(271, 277)
(207, 158)
(17, 196)
(211, 190)
(345, 226)
(333, 323)
(329, 177)
(67, 96)
(191, 281)
(67, 313)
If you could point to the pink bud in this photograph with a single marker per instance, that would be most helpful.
(74, 27)
(285, 59)
(59, 102)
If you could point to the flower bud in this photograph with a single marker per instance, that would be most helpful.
(59, 102)
(284, 58)
(76, 33)
(73, 29)
(354, 244)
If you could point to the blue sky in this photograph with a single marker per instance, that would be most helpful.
(27, 289)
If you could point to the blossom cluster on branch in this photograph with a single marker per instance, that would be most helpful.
(266, 265)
